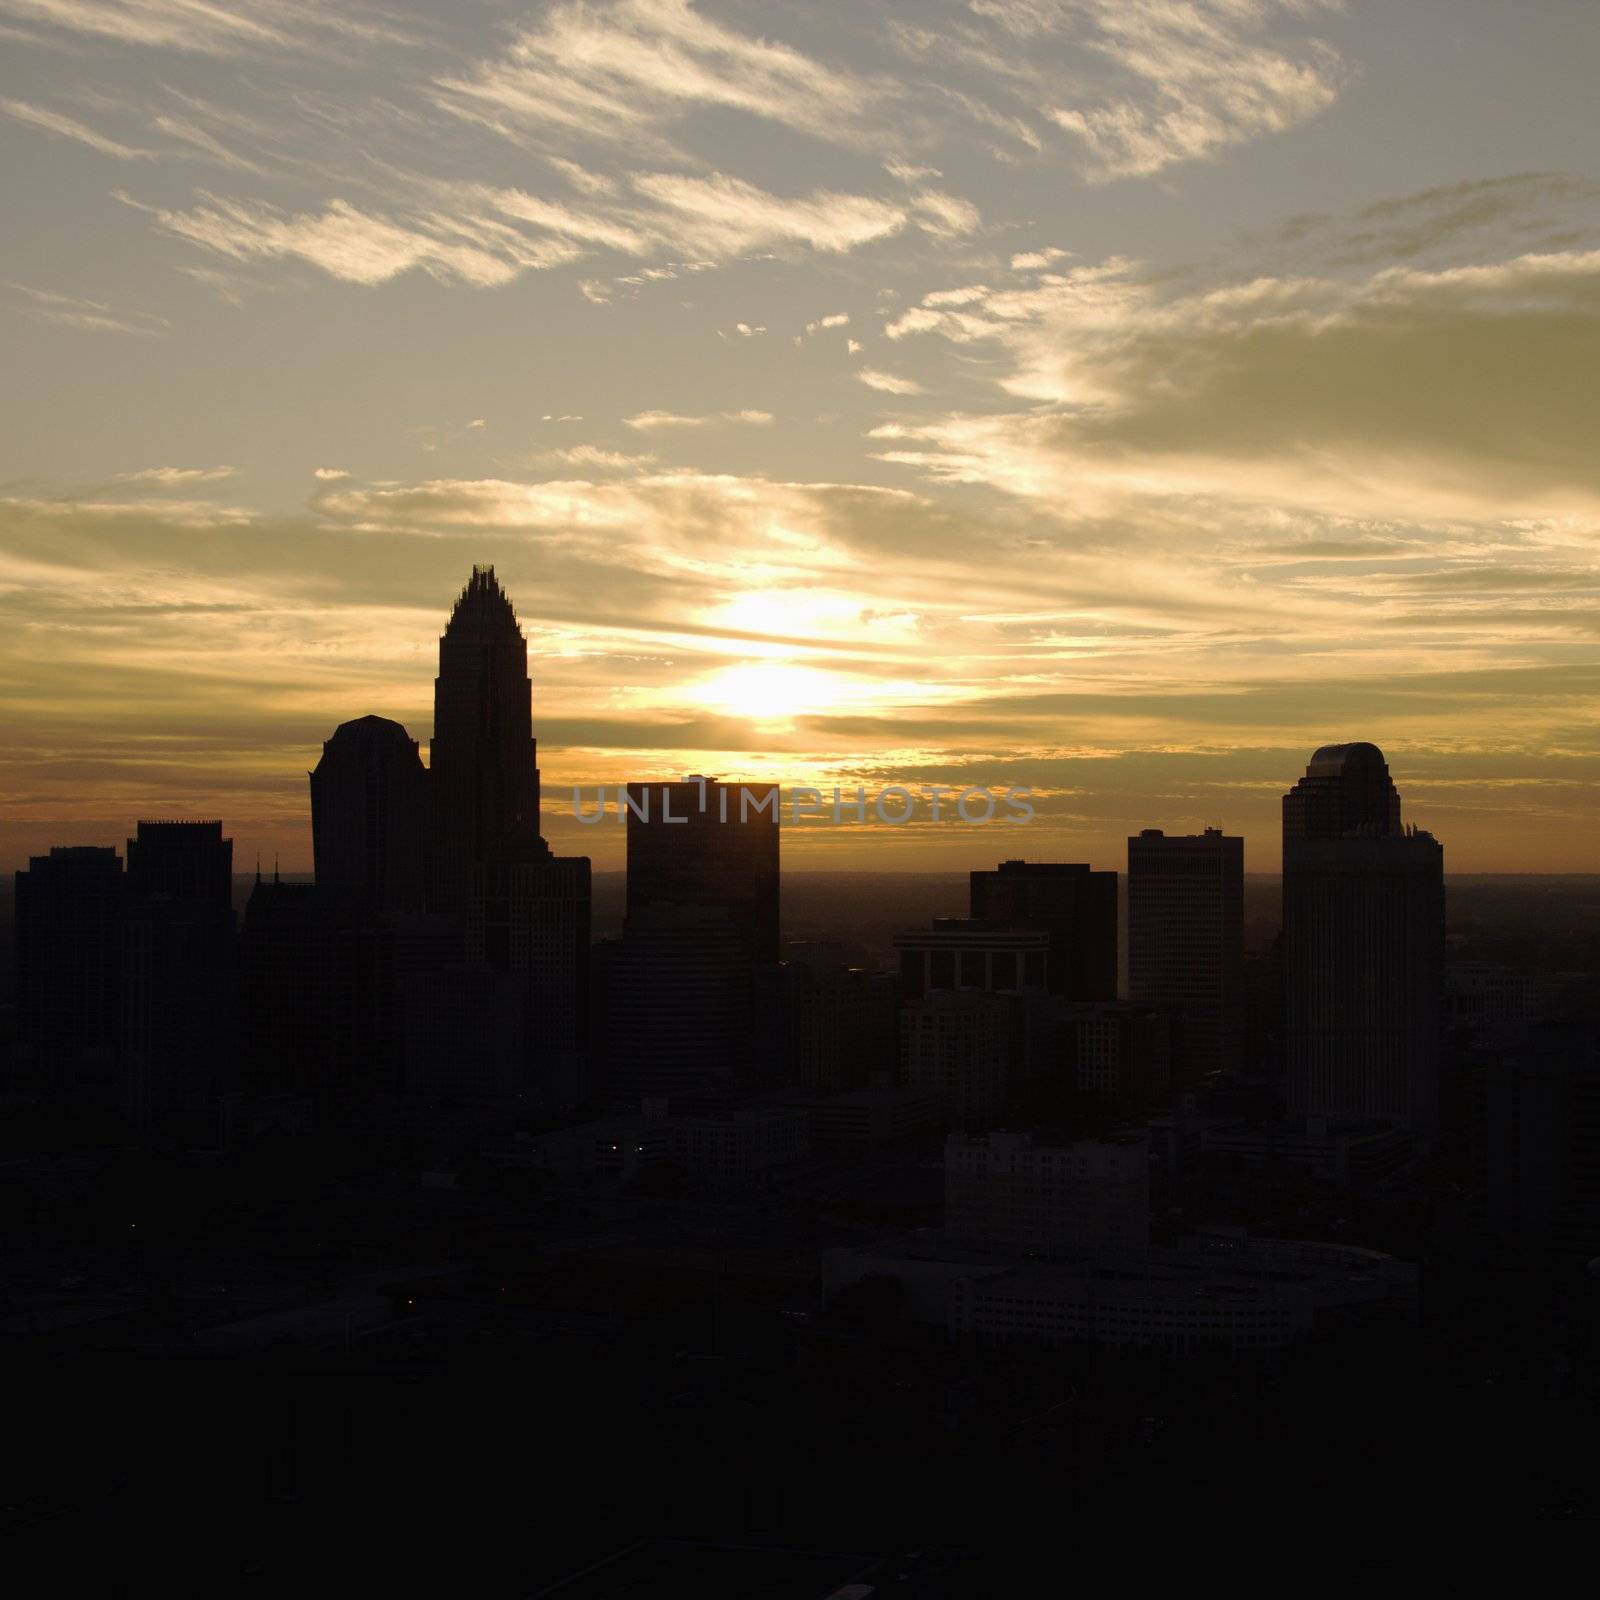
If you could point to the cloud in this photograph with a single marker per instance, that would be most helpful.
(944, 216)
(838, 319)
(483, 236)
(87, 316)
(204, 28)
(329, 474)
(1036, 260)
(589, 455)
(617, 72)
(1458, 392)
(169, 476)
(1179, 663)
(1405, 227)
(1201, 75)
(647, 421)
(70, 128)
(206, 144)
(360, 247)
(887, 382)
(725, 215)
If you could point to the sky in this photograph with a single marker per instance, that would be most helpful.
(1115, 399)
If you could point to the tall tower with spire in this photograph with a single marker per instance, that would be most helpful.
(484, 769)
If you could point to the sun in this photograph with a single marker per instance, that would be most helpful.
(770, 691)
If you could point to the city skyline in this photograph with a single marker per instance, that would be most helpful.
(838, 754)
(1113, 400)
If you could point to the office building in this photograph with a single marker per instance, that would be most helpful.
(1075, 905)
(178, 970)
(701, 842)
(69, 911)
(1018, 1193)
(957, 1045)
(1186, 943)
(483, 771)
(1363, 935)
(369, 815)
(1116, 1049)
(315, 985)
(678, 999)
(528, 919)
(964, 953)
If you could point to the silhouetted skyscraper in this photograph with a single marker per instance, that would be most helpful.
(69, 973)
(484, 770)
(369, 814)
(705, 843)
(1076, 906)
(678, 999)
(1186, 942)
(1346, 792)
(1363, 933)
(178, 977)
(315, 1000)
(528, 918)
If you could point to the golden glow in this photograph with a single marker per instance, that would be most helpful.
(772, 691)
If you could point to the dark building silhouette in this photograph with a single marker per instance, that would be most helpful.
(1534, 1140)
(966, 953)
(315, 988)
(369, 814)
(1116, 1049)
(678, 990)
(705, 843)
(976, 1028)
(484, 772)
(1363, 940)
(528, 919)
(846, 1028)
(1186, 943)
(1076, 906)
(179, 978)
(461, 1032)
(1346, 793)
(69, 911)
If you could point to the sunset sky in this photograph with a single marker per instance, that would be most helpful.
(1114, 397)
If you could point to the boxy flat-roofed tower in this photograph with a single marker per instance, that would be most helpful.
(1074, 904)
(1186, 942)
(700, 842)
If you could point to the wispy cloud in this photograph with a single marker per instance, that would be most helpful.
(171, 477)
(646, 421)
(89, 316)
(888, 382)
(206, 28)
(1458, 392)
(70, 128)
(616, 72)
(1201, 72)
(362, 247)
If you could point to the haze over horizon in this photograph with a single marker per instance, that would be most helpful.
(1113, 398)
